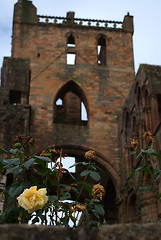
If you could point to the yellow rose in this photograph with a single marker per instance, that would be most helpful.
(32, 200)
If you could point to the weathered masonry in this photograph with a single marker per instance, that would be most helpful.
(58, 66)
(141, 113)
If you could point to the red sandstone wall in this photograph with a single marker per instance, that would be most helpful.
(105, 87)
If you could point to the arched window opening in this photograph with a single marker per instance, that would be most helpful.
(59, 102)
(139, 100)
(101, 51)
(71, 55)
(67, 162)
(73, 108)
(71, 41)
(15, 97)
(159, 105)
(134, 129)
(111, 209)
(127, 126)
(71, 58)
(84, 116)
(147, 98)
(133, 214)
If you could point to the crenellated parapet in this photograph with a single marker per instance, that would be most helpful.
(80, 22)
(26, 12)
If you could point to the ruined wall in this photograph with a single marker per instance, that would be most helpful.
(106, 232)
(104, 86)
(141, 113)
(99, 77)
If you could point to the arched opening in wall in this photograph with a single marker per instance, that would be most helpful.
(101, 50)
(77, 153)
(14, 97)
(132, 211)
(159, 105)
(146, 98)
(72, 107)
(127, 127)
(134, 127)
(139, 97)
(71, 41)
(111, 208)
(147, 110)
(71, 54)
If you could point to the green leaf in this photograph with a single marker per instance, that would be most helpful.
(146, 188)
(12, 161)
(84, 163)
(99, 209)
(16, 189)
(148, 151)
(18, 171)
(12, 169)
(138, 169)
(65, 196)
(93, 168)
(28, 163)
(14, 151)
(132, 152)
(79, 163)
(88, 188)
(138, 155)
(66, 170)
(52, 198)
(95, 213)
(156, 155)
(145, 169)
(134, 172)
(2, 151)
(45, 159)
(85, 172)
(157, 172)
(95, 176)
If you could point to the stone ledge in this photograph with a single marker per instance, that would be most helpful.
(106, 232)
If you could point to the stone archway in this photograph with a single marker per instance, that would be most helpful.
(109, 179)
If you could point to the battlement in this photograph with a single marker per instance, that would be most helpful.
(80, 22)
(26, 12)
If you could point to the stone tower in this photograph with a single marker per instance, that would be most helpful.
(58, 65)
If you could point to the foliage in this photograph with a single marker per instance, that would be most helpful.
(147, 164)
(32, 172)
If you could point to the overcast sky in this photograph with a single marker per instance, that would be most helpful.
(147, 22)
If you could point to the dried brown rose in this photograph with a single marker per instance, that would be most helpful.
(89, 155)
(98, 191)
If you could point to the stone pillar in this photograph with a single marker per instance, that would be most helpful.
(128, 23)
(25, 12)
(154, 113)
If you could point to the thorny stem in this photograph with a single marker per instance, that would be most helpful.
(151, 174)
(59, 174)
(89, 166)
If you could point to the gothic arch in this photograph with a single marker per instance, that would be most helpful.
(109, 178)
(72, 96)
(101, 49)
(74, 150)
(132, 211)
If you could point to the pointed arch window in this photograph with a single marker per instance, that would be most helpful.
(71, 41)
(70, 105)
(101, 50)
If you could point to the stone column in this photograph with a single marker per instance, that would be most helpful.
(154, 113)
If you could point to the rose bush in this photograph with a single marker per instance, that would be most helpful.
(46, 173)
